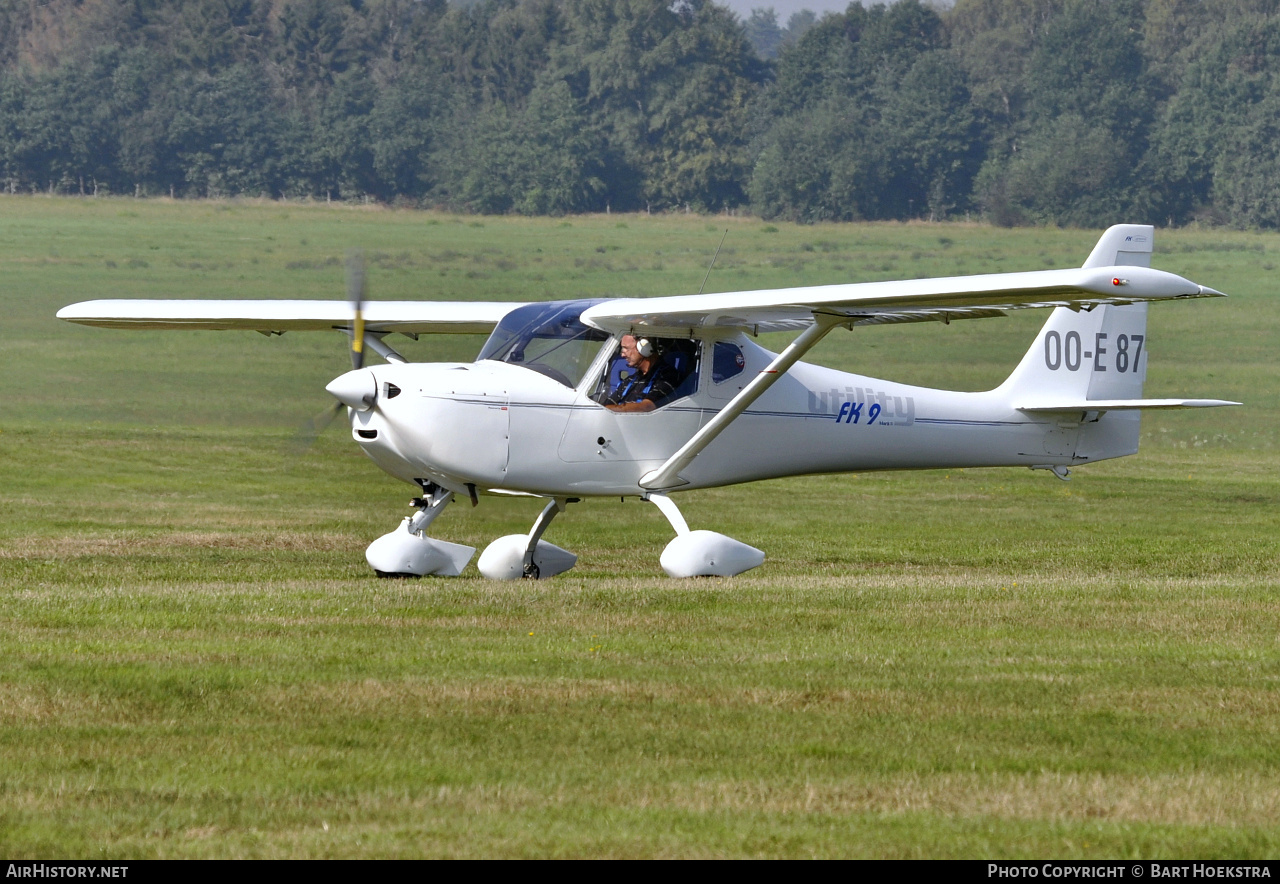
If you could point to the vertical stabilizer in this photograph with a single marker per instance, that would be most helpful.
(1124, 245)
(1094, 354)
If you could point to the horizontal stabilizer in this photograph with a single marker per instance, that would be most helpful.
(1122, 405)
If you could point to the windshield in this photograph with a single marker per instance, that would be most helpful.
(547, 338)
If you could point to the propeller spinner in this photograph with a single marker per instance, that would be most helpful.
(357, 389)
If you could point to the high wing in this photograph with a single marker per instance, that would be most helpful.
(874, 303)
(959, 297)
(278, 317)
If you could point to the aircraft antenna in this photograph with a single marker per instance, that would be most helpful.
(713, 262)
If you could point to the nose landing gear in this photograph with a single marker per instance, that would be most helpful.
(408, 552)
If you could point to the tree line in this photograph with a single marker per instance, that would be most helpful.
(1070, 112)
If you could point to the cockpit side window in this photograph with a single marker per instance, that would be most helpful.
(678, 362)
(727, 361)
(547, 338)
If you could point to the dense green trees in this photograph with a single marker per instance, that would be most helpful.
(667, 86)
(1074, 112)
(1214, 150)
(869, 117)
(1076, 154)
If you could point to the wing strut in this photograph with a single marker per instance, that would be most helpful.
(668, 475)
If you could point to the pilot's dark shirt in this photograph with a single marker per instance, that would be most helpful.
(657, 385)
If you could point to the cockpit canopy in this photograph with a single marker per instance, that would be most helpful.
(548, 338)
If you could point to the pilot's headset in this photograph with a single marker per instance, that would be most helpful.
(644, 347)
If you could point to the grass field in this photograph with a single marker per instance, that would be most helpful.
(196, 662)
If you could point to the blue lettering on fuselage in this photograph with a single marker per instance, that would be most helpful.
(853, 404)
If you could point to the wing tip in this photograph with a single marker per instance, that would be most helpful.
(73, 312)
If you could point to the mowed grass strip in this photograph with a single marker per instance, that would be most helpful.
(196, 661)
(620, 717)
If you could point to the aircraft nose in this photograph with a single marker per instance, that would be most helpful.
(357, 389)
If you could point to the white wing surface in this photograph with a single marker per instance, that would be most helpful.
(915, 300)
(409, 317)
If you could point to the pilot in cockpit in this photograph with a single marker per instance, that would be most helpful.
(650, 382)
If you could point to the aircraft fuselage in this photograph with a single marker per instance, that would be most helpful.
(506, 429)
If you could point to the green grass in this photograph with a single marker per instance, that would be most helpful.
(195, 660)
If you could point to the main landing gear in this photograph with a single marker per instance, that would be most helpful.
(701, 553)
(519, 556)
(691, 554)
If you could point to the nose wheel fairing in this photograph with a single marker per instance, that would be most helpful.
(408, 552)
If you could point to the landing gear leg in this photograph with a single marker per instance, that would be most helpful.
(528, 556)
(429, 507)
(701, 553)
(549, 512)
(671, 511)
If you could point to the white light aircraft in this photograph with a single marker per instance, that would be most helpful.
(529, 417)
